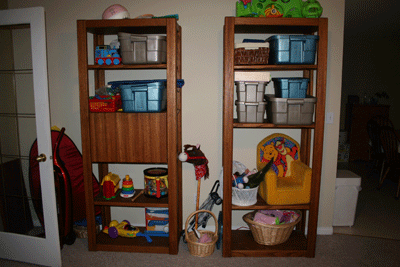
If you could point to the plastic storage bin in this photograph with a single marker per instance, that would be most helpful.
(296, 111)
(292, 49)
(250, 91)
(348, 185)
(250, 111)
(140, 49)
(144, 97)
(290, 87)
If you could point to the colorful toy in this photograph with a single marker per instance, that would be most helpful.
(157, 221)
(124, 229)
(289, 180)
(110, 185)
(193, 155)
(156, 182)
(127, 187)
(279, 8)
(104, 54)
(240, 181)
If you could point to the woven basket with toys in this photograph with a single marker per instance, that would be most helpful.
(205, 244)
(272, 227)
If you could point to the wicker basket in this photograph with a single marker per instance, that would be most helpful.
(244, 197)
(266, 234)
(201, 249)
(251, 56)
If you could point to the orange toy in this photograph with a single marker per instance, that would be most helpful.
(289, 180)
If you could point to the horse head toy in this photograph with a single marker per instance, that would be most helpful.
(193, 155)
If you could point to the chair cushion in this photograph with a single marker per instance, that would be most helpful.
(282, 148)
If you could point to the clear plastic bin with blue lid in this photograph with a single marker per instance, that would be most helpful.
(143, 95)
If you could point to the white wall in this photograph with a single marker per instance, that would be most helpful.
(202, 50)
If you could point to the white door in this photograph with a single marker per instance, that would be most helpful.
(24, 116)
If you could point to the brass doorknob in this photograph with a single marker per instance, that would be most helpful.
(41, 158)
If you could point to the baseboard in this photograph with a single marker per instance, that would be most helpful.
(325, 231)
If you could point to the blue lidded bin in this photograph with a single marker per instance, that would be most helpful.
(143, 95)
(290, 87)
(292, 49)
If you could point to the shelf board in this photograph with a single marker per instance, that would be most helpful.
(126, 67)
(243, 244)
(265, 124)
(141, 201)
(262, 205)
(136, 244)
(275, 67)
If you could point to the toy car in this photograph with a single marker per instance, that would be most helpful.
(124, 229)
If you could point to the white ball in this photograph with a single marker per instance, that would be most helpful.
(183, 157)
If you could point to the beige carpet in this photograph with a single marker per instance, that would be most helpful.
(378, 212)
(332, 250)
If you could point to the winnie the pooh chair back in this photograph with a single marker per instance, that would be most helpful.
(289, 180)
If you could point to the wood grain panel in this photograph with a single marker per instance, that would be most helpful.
(135, 137)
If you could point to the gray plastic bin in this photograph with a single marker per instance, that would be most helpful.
(250, 91)
(250, 111)
(296, 111)
(141, 49)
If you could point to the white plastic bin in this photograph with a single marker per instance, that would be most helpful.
(348, 185)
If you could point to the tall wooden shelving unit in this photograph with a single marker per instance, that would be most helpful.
(119, 137)
(239, 242)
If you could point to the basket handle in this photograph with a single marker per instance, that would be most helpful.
(200, 211)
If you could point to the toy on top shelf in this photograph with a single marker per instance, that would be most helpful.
(124, 229)
(127, 187)
(279, 8)
(104, 54)
(110, 185)
(115, 12)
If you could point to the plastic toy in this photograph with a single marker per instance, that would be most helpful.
(157, 222)
(127, 187)
(104, 54)
(240, 181)
(110, 185)
(115, 12)
(124, 229)
(279, 8)
(156, 182)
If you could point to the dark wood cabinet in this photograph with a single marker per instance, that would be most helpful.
(358, 134)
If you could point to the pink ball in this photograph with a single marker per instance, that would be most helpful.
(115, 12)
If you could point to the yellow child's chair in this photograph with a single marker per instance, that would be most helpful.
(289, 180)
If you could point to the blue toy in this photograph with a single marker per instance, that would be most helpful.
(104, 54)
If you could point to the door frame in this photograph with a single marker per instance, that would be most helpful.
(42, 251)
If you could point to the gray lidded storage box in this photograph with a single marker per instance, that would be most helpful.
(250, 111)
(297, 111)
(140, 49)
(250, 91)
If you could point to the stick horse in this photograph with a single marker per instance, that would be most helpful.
(193, 155)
